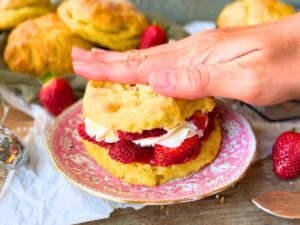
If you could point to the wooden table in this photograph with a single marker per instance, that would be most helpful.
(236, 209)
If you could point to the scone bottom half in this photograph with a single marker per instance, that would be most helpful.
(173, 147)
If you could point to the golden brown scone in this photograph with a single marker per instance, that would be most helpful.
(252, 12)
(114, 24)
(134, 108)
(14, 12)
(42, 45)
(145, 174)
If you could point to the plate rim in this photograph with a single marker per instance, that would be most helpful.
(96, 193)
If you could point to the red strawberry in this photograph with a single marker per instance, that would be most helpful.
(145, 134)
(127, 152)
(286, 155)
(123, 151)
(164, 156)
(199, 119)
(82, 133)
(56, 95)
(153, 35)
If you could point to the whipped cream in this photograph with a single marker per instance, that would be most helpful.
(172, 139)
(99, 132)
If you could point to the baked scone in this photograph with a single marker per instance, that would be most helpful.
(42, 45)
(114, 24)
(145, 138)
(14, 12)
(252, 12)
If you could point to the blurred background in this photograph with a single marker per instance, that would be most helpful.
(184, 11)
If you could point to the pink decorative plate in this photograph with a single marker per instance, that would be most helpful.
(69, 156)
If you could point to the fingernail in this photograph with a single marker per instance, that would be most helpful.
(162, 79)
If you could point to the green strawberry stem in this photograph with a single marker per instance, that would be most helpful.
(47, 76)
(164, 27)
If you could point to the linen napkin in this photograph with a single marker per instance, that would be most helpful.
(37, 194)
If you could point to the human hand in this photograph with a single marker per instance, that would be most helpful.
(259, 65)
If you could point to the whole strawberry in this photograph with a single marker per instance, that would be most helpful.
(286, 155)
(56, 95)
(153, 35)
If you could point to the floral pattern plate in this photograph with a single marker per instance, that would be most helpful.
(235, 156)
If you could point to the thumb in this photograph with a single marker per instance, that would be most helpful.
(194, 82)
(187, 83)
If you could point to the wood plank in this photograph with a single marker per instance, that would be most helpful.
(236, 209)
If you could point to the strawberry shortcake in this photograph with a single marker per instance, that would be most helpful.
(144, 138)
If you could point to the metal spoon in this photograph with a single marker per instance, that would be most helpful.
(280, 203)
(12, 152)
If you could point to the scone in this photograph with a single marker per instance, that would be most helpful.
(252, 12)
(14, 12)
(42, 45)
(145, 138)
(114, 24)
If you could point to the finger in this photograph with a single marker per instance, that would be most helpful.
(109, 56)
(79, 54)
(133, 70)
(196, 81)
(97, 54)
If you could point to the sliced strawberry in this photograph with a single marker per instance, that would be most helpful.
(164, 156)
(199, 119)
(145, 134)
(128, 152)
(82, 133)
(210, 126)
(123, 151)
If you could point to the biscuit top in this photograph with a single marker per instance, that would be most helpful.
(13, 4)
(134, 108)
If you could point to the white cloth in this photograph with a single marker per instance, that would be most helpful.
(38, 194)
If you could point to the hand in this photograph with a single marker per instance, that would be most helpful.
(259, 65)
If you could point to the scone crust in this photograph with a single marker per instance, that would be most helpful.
(252, 12)
(14, 12)
(15, 4)
(134, 108)
(145, 174)
(113, 24)
(40, 45)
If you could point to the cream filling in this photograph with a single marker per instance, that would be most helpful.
(172, 139)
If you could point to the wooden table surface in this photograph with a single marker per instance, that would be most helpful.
(236, 209)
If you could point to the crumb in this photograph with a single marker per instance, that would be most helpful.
(222, 200)
(167, 212)
(217, 196)
(291, 182)
(161, 207)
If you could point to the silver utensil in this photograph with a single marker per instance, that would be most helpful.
(12, 151)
